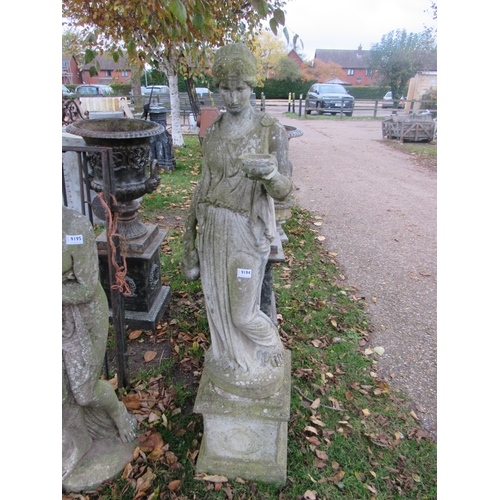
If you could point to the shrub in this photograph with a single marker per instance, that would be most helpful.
(431, 98)
(279, 89)
(121, 89)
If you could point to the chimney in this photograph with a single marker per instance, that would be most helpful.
(360, 50)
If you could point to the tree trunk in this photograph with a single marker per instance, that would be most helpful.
(175, 107)
(135, 80)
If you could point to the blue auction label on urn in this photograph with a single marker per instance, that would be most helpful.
(74, 239)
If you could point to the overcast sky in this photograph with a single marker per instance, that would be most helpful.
(329, 24)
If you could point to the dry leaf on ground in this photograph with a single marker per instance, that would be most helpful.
(172, 486)
(135, 334)
(149, 356)
(132, 402)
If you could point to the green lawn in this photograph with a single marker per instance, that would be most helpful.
(350, 434)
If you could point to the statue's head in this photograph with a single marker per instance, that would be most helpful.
(235, 62)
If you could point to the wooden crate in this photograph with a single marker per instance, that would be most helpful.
(409, 128)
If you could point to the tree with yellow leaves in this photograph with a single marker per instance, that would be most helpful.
(170, 34)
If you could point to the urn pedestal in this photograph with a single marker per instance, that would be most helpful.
(146, 306)
(130, 140)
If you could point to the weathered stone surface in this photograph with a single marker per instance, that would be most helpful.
(230, 227)
(244, 437)
(244, 394)
(90, 408)
(105, 460)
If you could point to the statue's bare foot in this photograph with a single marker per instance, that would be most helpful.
(126, 425)
(272, 356)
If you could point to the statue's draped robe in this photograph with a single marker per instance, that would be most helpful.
(236, 227)
(84, 337)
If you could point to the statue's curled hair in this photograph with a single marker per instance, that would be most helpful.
(234, 61)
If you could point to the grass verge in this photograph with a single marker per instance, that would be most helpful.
(350, 435)
(424, 153)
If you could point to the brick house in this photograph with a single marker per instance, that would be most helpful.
(355, 64)
(71, 73)
(109, 72)
(295, 57)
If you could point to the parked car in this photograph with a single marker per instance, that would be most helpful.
(387, 101)
(155, 89)
(93, 90)
(66, 92)
(329, 98)
(203, 93)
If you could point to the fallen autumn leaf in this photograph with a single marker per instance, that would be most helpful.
(149, 356)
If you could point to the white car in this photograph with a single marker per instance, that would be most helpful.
(155, 89)
(65, 91)
(388, 103)
(203, 93)
(93, 90)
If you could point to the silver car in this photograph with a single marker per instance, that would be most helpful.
(93, 90)
(387, 101)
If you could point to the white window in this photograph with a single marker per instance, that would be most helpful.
(350, 72)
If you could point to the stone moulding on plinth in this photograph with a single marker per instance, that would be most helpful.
(244, 437)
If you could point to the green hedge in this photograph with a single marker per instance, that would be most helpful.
(367, 92)
(279, 89)
(121, 89)
(273, 89)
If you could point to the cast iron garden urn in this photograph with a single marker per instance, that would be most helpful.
(130, 140)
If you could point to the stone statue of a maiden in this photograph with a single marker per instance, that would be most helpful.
(230, 227)
(91, 411)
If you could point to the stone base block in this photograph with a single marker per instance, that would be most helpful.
(105, 460)
(243, 437)
(148, 320)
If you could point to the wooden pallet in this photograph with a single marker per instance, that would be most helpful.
(410, 129)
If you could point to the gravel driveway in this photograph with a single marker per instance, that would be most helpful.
(379, 215)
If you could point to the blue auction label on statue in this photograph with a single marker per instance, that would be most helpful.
(74, 239)
(244, 273)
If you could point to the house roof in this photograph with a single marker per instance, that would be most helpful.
(293, 55)
(360, 59)
(338, 80)
(107, 63)
(350, 59)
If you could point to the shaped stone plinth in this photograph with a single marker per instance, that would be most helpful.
(244, 437)
(104, 461)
